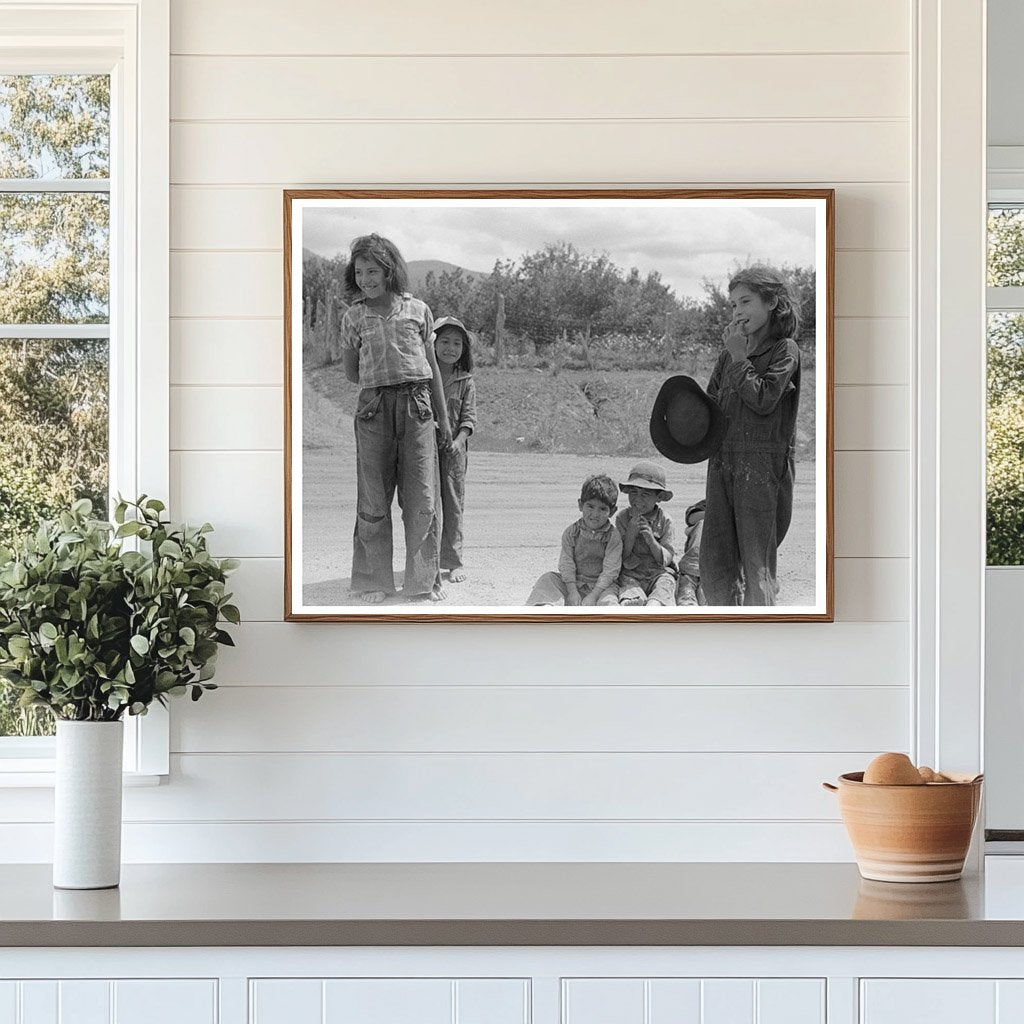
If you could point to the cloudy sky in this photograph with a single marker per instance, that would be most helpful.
(683, 243)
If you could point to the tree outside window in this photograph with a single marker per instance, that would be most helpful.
(54, 308)
(1005, 480)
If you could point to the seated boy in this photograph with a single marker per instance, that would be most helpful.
(648, 574)
(591, 553)
(688, 593)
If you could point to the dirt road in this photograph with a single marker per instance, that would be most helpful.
(517, 505)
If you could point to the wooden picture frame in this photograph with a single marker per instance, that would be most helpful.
(579, 306)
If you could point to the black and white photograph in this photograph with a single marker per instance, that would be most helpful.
(528, 405)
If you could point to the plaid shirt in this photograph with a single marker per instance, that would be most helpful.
(393, 349)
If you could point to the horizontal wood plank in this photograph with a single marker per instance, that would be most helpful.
(872, 589)
(241, 493)
(872, 350)
(605, 718)
(439, 654)
(873, 504)
(535, 26)
(872, 418)
(233, 418)
(551, 152)
(868, 216)
(445, 786)
(283, 842)
(222, 352)
(282, 88)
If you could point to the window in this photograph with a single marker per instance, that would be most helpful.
(54, 309)
(84, 124)
(1005, 476)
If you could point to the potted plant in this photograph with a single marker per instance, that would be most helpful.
(93, 631)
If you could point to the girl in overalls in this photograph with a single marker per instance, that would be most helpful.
(756, 381)
(454, 352)
(386, 347)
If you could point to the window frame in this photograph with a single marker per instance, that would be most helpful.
(1007, 298)
(130, 41)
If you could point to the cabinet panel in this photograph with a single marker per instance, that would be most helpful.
(790, 1001)
(38, 1002)
(8, 1002)
(1010, 1002)
(84, 1002)
(388, 1001)
(728, 1001)
(674, 1000)
(165, 1002)
(492, 1001)
(928, 1001)
(694, 1001)
(603, 1001)
(281, 1001)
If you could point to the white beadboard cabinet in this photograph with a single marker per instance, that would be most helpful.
(942, 1001)
(109, 1001)
(523, 985)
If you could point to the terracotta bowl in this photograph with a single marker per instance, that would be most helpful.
(909, 833)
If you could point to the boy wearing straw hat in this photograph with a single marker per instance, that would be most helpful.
(648, 574)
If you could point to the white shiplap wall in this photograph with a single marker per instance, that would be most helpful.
(688, 741)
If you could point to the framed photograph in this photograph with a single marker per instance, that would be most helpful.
(558, 405)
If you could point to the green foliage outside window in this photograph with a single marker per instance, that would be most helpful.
(54, 269)
(1005, 478)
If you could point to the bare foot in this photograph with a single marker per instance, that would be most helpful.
(435, 595)
(457, 576)
(372, 596)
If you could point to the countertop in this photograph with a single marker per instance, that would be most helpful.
(494, 904)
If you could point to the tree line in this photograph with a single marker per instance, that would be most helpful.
(559, 299)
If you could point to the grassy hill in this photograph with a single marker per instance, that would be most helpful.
(418, 270)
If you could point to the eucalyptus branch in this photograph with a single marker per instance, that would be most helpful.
(91, 630)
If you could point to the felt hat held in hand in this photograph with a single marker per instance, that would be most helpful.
(686, 424)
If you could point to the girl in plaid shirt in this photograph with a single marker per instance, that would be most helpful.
(387, 350)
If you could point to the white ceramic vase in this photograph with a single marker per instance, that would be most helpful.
(87, 805)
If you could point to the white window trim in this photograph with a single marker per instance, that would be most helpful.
(1003, 714)
(131, 41)
(949, 445)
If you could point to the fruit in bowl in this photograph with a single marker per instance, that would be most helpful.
(908, 824)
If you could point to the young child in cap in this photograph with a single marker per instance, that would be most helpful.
(591, 553)
(455, 359)
(648, 574)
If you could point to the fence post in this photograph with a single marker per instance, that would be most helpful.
(499, 332)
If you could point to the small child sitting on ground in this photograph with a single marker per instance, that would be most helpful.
(591, 553)
(648, 574)
(688, 592)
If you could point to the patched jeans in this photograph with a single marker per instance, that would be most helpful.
(396, 450)
(749, 508)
